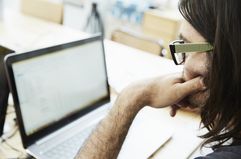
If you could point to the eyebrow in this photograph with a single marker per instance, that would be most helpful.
(181, 37)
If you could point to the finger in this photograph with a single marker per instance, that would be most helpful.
(174, 109)
(191, 86)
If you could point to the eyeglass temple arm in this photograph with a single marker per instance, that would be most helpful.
(202, 47)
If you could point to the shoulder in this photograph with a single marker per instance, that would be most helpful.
(229, 152)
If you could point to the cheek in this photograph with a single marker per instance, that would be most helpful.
(197, 59)
(196, 65)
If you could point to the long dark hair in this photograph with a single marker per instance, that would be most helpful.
(219, 22)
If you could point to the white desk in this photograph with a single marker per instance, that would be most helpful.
(124, 65)
(23, 33)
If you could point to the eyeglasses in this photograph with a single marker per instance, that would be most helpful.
(179, 49)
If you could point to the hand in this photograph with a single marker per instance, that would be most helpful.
(169, 90)
(166, 90)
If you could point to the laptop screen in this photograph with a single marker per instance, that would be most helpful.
(53, 86)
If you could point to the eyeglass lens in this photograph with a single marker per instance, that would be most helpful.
(180, 57)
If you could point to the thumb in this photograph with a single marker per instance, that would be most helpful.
(192, 86)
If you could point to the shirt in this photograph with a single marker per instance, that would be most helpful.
(226, 152)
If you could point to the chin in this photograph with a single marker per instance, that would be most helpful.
(198, 100)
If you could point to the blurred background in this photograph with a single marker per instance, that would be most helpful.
(148, 25)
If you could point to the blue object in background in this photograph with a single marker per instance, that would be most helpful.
(118, 8)
(131, 11)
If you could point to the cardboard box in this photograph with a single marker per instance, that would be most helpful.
(50, 10)
(138, 40)
(162, 25)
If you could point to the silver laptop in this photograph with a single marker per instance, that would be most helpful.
(60, 94)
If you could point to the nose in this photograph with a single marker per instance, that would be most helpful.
(195, 65)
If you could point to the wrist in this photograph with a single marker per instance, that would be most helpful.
(136, 96)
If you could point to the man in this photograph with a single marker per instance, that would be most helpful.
(210, 81)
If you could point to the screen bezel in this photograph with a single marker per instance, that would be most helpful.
(28, 140)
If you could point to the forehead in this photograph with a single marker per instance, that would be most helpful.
(188, 32)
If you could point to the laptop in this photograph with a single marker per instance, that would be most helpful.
(60, 94)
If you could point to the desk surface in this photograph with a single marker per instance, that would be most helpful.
(124, 65)
(24, 33)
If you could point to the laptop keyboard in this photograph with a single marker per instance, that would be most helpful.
(69, 148)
